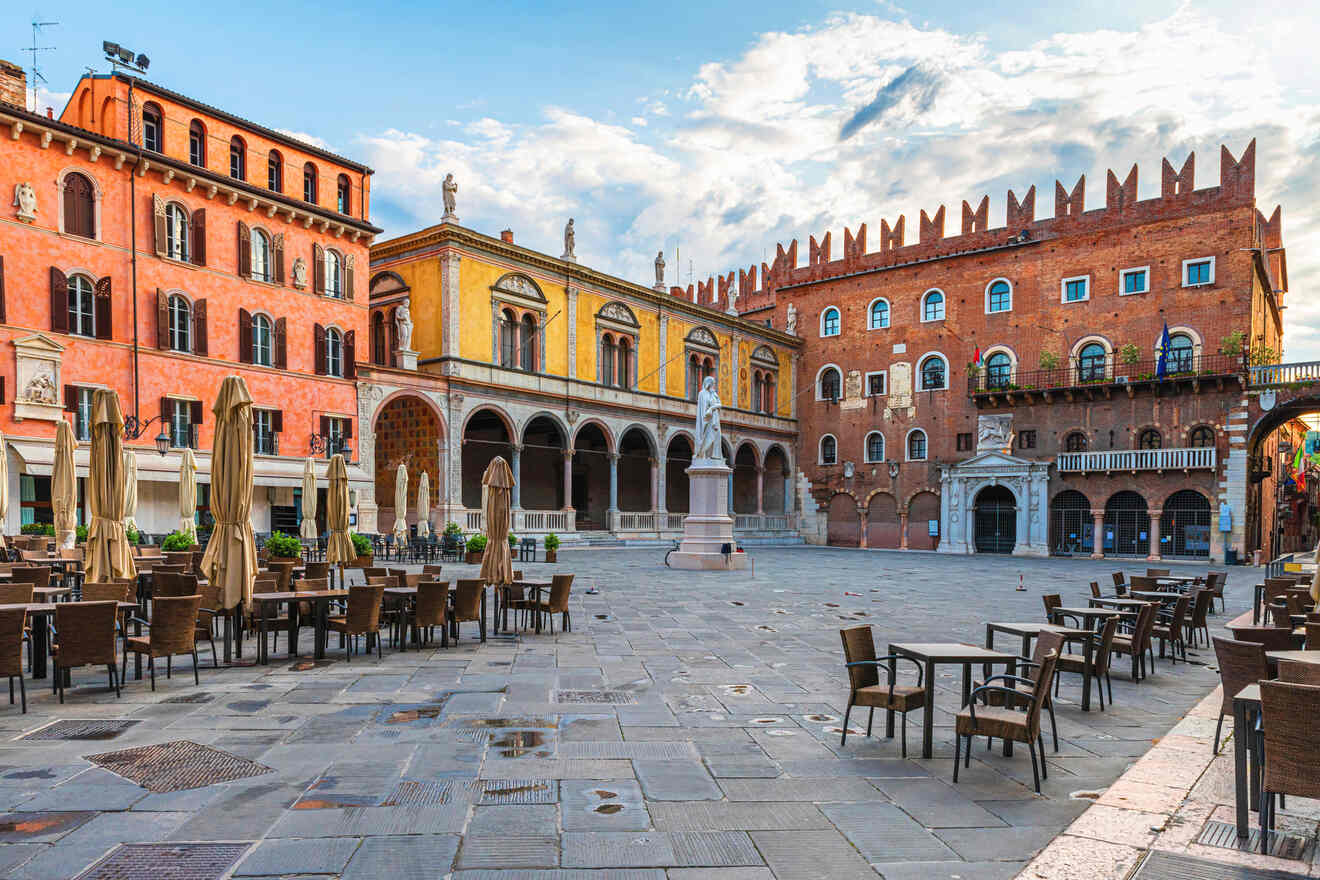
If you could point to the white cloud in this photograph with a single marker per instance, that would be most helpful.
(753, 154)
(306, 138)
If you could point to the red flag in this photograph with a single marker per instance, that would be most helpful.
(976, 358)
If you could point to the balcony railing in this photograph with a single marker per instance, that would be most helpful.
(1102, 372)
(1271, 375)
(1190, 458)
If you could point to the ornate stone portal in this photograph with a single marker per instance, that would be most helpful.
(992, 466)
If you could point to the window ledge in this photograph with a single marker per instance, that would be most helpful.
(175, 261)
(80, 238)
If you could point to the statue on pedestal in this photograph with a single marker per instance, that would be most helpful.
(403, 325)
(449, 188)
(790, 325)
(709, 446)
(570, 241)
(660, 270)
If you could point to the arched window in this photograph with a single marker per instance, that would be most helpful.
(1202, 437)
(878, 315)
(756, 391)
(608, 352)
(934, 373)
(153, 128)
(831, 384)
(916, 445)
(79, 206)
(176, 233)
(334, 352)
(1180, 355)
(82, 306)
(261, 340)
(508, 339)
(998, 296)
(527, 343)
(378, 338)
(768, 391)
(343, 195)
(309, 183)
(275, 172)
(180, 323)
(932, 306)
(623, 375)
(829, 450)
(1091, 362)
(875, 446)
(260, 255)
(334, 274)
(829, 322)
(998, 371)
(707, 368)
(1075, 442)
(694, 377)
(197, 143)
(1150, 439)
(237, 158)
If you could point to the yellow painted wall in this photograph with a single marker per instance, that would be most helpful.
(423, 276)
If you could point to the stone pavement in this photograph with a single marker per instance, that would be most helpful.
(688, 727)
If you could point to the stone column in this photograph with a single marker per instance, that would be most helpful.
(568, 481)
(863, 521)
(572, 331)
(730, 482)
(517, 475)
(760, 490)
(902, 530)
(614, 482)
(1155, 549)
(654, 484)
(664, 361)
(661, 505)
(451, 303)
(1098, 540)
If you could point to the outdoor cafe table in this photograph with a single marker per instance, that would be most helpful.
(319, 598)
(1029, 631)
(40, 633)
(1117, 603)
(932, 654)
(1246, 791)
(1155, 595)
(1312, 657)
(1089, 616)
(535, 586)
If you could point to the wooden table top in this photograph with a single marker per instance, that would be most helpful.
(1296, 656)
(1155, 595)
(534, 582)
(1249, 694)
(949, 652)
(1088, 612)
(49, 607)
(401, 591)
(300, 596)
(51, 591)
(1033, 628)
(1117, 603)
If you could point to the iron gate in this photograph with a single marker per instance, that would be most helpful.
(1072, 528)
(1185, 525)
(996, 521)
(1127, 526)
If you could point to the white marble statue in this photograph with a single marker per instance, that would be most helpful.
(660, 270)
(450, 188)
(790, 325)
(300, 273)
(709, 446)
(570, 241)
(403, 324)
(25, 199)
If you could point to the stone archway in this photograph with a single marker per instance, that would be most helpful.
(843, 523)
(635, 458)
(485, 436)
(995, 526)
(406, 430)
(541, 465)
(677, 458)
(882, 525)
(591, 477)
(744, 479)
(775, 491)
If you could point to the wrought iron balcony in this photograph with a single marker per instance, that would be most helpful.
(1181, 459)
(1100, 377)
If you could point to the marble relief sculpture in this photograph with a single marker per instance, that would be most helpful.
(25, 199)
(790, 325)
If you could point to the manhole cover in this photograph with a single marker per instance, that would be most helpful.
(175, 766)
(190, 698)
(615, 698)
(418, 794)
(1282, 845)
(81, 730)
(166, 861)
(517, 791)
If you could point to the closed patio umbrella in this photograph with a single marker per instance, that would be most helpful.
(188, 494)
(4, 490)
(108, 553)
(423, 505)
(63, 487)
(401, 504)
(340, 547)
(308, 528)
(497, 488)
(230, 561)
(130, 490)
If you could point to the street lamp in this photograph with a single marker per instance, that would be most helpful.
(133, 428)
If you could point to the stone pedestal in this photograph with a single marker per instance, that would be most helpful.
(708, 527)
(407, 359)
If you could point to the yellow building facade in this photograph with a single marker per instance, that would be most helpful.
(583, 381)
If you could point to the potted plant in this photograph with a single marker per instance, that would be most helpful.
(1049, 360)
(80, 534)
(362, 547)
(176, 541)
(1130, 354)
(476, 546)
(513, 542)
(283, 548)
(133, 535)
(551, 542)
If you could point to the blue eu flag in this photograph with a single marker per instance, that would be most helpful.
(1162, 364)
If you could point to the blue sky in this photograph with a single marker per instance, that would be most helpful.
(722, 129)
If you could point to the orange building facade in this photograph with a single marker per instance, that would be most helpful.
(154, 246)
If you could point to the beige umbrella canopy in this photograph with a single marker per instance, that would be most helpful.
(308, 528)
(423, 505)
(401, 504)
(188, 494)
(4, 490)
(497, 503)
(130, 490)
(108, 553)
(340, 546)
(230, 561)
(63, 486)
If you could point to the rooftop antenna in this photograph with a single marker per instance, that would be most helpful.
(35, 52)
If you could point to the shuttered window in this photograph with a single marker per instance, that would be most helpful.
(79, 206)
(261, 340)
(309, 183)
(81, 307)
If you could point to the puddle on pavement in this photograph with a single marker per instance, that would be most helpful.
(769, 629)
(31, 774)
(855, 731)
(522, 743)
(739, 689)
(534, 723)
(34, 825)
(609, 809)
(831, 604)
(765, 720)
(247, 706)
(406, 716)
(602, 617)
(1085, 795)
(604, 794)
(510, 790)
(739, 604)
(822, 719)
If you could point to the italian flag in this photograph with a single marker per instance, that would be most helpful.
(976, 358)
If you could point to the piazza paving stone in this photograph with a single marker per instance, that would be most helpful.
(298, 857)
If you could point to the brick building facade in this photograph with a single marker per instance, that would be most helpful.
(158, 256)
(1069, 427)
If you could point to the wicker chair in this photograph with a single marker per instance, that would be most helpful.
(1273, 588)
(36, 575)
(1240, 663)
(285, 571)
(1215, 581)
(1140, 582)
(169, 586)
(1170, 628)
(1005, 722)
(557, 603)
(1158, 572)
(467, 605)
(1120, 583)
(1137, 642)
(1102, 647)
(1288, 713)
(209, 612)
(117, 590)
(178, 557)
(1312, 635)
(1202, 600)
(431, 609)
(316, 570)
(865, 689)
(1046, 642)
(1299, 672)
(86, 637)
(431, 569)
(13, 625)
(361, 619)
(16, 593)
(1272, 637)
(173, 630)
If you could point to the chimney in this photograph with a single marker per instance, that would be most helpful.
(13, 84)
(507, 236)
